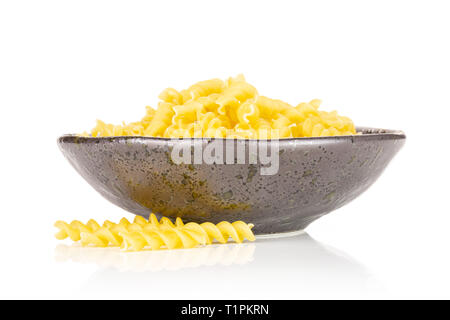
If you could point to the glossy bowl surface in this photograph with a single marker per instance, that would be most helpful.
(315, 176)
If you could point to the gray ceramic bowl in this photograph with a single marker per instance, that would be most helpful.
(315, 176)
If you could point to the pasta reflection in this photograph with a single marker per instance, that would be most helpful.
(213, 255)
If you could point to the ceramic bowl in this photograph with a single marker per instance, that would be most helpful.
(315, 176)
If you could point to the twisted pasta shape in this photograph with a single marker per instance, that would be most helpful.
(153, 233)
(229, 109)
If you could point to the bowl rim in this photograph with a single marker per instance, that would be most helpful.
(367, 132)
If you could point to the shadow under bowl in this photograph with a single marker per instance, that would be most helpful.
(315, 176)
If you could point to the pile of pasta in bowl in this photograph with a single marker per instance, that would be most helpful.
(229, 109)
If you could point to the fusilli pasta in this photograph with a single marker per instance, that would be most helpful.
(229, 109)
(153, 233)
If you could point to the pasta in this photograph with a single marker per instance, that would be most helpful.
(229, 109)
(153, 233)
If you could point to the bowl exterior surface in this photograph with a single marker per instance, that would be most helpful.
(315, 176)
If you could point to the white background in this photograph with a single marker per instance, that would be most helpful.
(385, 64)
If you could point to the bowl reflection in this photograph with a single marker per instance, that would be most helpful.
(269, 269)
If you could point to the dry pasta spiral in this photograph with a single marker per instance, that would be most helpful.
(153, 233)
(229, 109)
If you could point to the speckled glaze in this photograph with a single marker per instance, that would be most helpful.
(316, 176)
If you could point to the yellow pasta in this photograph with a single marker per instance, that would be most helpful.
(153, 234)
(229, 109)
